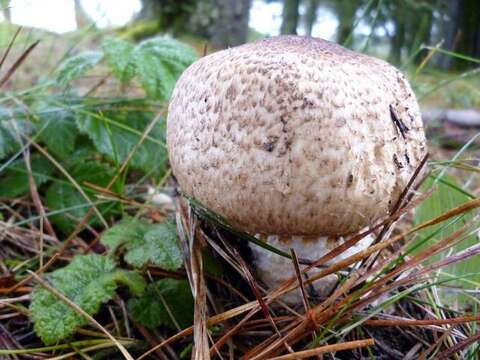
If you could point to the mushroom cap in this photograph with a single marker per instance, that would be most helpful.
(294, 136)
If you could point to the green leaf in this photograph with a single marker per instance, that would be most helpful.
(159, 247)
(149, 309)
(88, 281)
(59, 131)
(10, 135)
(160, 61)
(118, 53)
(14, 179)
(63, 195)
(145, 243)
(76, 66)
(443, 199)
(118, 129)
(128, 231)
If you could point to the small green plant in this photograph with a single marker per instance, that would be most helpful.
(149, 308)
(84, 144)
(89, 281)
(145, 243)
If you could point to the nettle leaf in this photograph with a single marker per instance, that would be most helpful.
(117, 130)
(58, 129)
(63, 195)
(160, 61)
(76, 66)
(159, 247)
(128, 231)
(145, 243)
(149, 309)
(10, 135)
(14, 179)
(88, 281)
(118, 53)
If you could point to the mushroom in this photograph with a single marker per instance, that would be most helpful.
(296, 140)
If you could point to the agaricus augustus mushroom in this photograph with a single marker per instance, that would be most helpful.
(296, 140)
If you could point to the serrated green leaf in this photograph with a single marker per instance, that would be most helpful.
(10, 135)
(59, 131)
(64, 195)
(117, 130)
(145, 243)
(76, 66)
(160, 61)
(128, 231)
(89, 281)
(159, 246)
(118, 53)
(14, 179)
(149, 309)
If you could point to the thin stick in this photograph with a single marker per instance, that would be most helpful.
(296, 266)
(426, 322)
(10, 45)
(36, 197)
(460, 346)
(28, 278)
(327, 348)
(17, 63)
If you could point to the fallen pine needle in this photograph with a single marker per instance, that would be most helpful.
(327, 348)
(426, 322)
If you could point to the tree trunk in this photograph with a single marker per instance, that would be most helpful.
(231, 25)
(451, 28)
(81, 17)
(423, 24)
(469, 33)
(462, 33)
(345, 10)
(7, 15)
(311, 16)
(290, 17)
(150, 10)
(398, 39)
(224, 22)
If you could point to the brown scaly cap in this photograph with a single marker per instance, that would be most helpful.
(294, 136)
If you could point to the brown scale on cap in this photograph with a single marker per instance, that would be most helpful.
(294, 136)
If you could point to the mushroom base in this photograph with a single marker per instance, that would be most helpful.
(273, 269)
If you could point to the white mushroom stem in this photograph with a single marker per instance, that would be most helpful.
(274, 269)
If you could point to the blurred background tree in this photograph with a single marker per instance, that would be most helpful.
(223, 22)
(392, 29)
(290, 17)
(402, 26)
(5, 4)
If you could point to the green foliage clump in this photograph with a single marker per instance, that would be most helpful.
(14, 180)
(88, 140)
(150, 309)
(112, 128)
(88, 281)
(155, 62)
(145, 243)
(76, 66)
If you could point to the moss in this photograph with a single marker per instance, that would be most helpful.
(140, 30)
